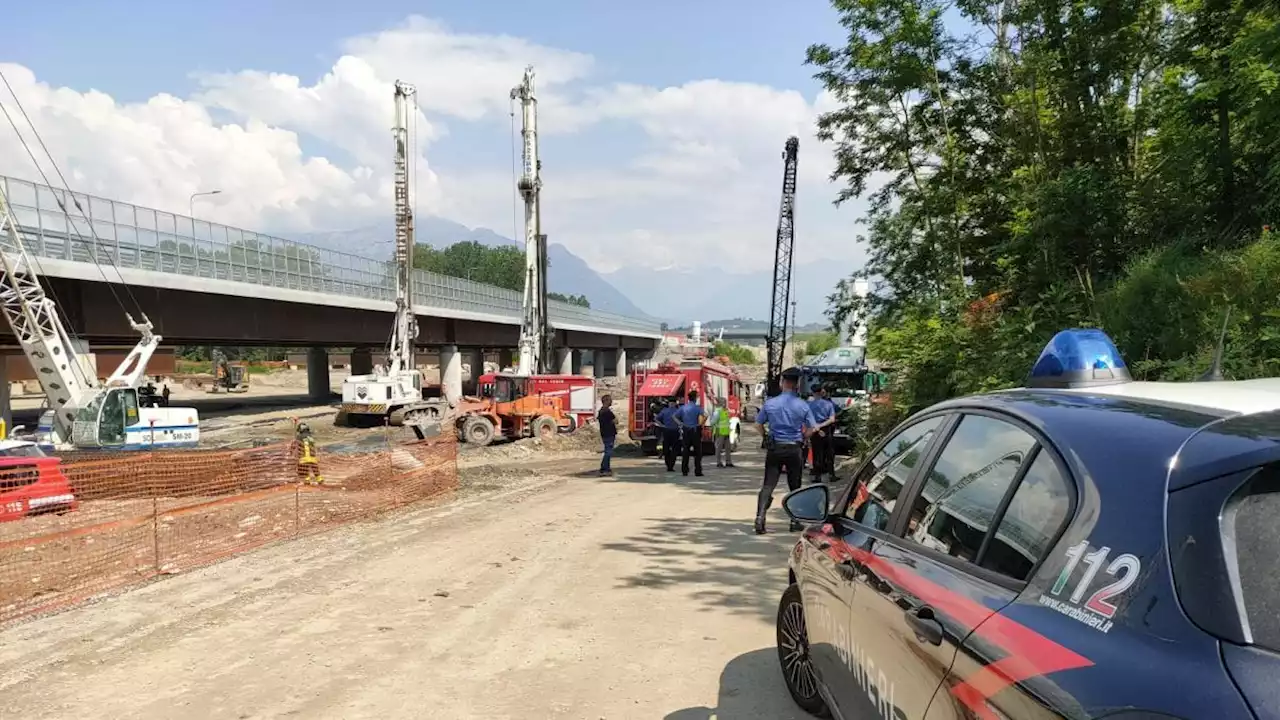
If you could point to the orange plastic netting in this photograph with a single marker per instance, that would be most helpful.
(150, 513)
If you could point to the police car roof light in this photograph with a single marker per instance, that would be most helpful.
(1079, 358)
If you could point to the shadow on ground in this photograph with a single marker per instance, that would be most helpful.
(720, 564)
(751, 688)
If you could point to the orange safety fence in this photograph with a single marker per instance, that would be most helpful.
(144, 514)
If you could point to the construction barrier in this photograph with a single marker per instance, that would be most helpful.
(145, 514)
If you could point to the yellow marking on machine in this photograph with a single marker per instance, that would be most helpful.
(371, 408)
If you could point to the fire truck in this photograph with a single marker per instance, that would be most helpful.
(650, 388)
(579, 394)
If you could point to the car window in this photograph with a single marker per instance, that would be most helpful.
(1257, 543)
(1038, 509)
(882, 479)
(965, 487)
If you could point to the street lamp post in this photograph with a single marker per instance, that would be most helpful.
(191, 202)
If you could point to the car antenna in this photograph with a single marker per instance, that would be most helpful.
(1214, 373)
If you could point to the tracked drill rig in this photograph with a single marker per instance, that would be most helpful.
(776, 342)
(535, 334)
(395, 394)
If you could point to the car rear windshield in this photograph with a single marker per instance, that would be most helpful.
(1254, 520)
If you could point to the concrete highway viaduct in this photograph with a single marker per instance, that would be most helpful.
(202, 283)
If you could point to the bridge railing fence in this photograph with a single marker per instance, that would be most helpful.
(130, 236)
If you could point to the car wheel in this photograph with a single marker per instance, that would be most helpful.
(793, 654)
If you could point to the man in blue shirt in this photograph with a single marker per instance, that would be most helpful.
(690, 417)
(789, 421)
(824, 453)
(669, 431)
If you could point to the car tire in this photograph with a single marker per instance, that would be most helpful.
(793, 655)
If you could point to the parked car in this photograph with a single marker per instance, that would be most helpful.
(31, 482)
(1086, 546)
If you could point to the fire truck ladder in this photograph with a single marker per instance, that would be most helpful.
(777, 338)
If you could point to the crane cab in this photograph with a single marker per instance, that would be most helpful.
(114, 419)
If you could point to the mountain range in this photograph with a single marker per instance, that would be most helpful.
(674, 296)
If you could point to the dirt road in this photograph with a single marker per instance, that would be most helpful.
(640, 596)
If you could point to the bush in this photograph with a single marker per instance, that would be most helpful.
(737, 354)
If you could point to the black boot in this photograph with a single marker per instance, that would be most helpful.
(762, 507)
(796, 526)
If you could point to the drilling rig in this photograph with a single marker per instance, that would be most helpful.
(395, 393)
(535, 335)
(777, 339)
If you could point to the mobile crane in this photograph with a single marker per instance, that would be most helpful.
(396, 393)
(535, 337)
(83, 413)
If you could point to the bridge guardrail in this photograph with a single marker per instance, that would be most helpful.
(131, 236)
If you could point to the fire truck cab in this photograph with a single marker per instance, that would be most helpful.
(650, 388)
(31, 482)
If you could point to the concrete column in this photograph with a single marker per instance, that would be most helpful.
(475, 365)
(564, 361)
(6, 410)
(597, 364)
(576, 358)
(318, 374)
(506, 359)
(620, 364)
(605, 360)
(362, 361)
(451, 373)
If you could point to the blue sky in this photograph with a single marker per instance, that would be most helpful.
(662, 122)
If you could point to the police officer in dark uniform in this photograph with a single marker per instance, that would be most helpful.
(671, 441)
(690, 417)
(789, 422)
(824, 453)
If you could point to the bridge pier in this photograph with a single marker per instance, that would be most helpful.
(451, 373)
(362, 361)
(318, 374)
(597, 364)
(575, 362)
(506, 359)
(564, 361)
(620, 364)
(475, 368)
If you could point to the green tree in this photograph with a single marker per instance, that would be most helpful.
(502, 266)
(737, 354)
(1048, 163)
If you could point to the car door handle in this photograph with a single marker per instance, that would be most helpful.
(923, 624)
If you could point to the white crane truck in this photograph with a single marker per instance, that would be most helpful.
(83, 413)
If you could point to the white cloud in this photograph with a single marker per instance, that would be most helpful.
(701, 188)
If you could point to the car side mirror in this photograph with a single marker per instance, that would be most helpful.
(808, 504)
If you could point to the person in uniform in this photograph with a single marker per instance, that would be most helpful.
(824, 452)
(666, 422)
(788, 421)
(690, 417)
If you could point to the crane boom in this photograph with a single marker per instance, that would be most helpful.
(777, 338)
(400, 354)
(535, 354)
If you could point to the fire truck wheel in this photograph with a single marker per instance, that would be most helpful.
(477, 430)
(649, 447)
(545, 427)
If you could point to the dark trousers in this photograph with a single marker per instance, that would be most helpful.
(824, 453)
(670, 447)
(692, 447)
(606, 459)
(788, 457)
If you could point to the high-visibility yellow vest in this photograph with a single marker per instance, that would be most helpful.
(722, 421)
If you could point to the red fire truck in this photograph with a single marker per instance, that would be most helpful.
(31, 482)
(650, 388)
(579, 393)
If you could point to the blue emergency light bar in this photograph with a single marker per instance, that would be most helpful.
(1079, 358)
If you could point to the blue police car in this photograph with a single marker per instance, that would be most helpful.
(1086, 546)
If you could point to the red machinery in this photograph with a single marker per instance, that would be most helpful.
(650, 389)
(579, 393)
(31, 483)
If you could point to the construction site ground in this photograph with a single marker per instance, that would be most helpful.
(539, 590)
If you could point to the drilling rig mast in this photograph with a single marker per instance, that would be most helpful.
(396, 392)
(535, 337)
(777, 338)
